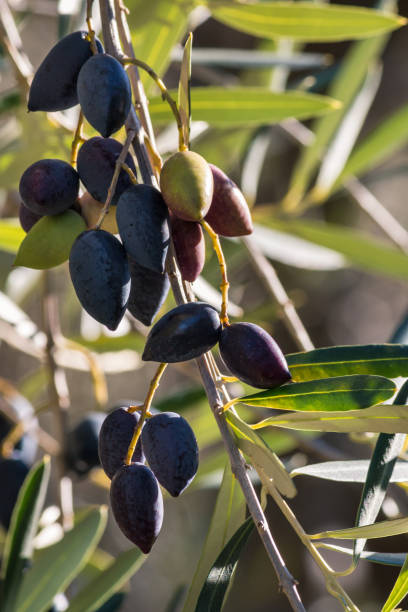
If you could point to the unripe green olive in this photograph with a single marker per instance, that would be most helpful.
(187, 184)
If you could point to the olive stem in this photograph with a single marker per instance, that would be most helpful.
(223, 268)
(77, 139)
(130, 172)
(115, 177)
(330, 575)
(165, 93)
(91, 31)
(144, 412)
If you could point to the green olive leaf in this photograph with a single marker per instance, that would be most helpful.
(49, 241)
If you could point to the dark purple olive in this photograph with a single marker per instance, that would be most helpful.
(253, 356)
(189, 245)
(229, 214)
(114, 438)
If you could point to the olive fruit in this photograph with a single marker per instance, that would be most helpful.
(142, 217)
(183, 333)
(137, 504)
(189, 246)
(27, 217)
(82, 445)
(229, 214)
(104, 93)
(186, 183)
(96, 165)
(148, 291)
(54, 86)
(171, 451)
(49, 186)
(100, 275)
(114, 438)
(253, 356)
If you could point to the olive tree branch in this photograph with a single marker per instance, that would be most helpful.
(286, 581)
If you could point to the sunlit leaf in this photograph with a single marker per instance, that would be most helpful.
(66, 559)
(385, 418)
(264, 460)
(326, 394)
(243, 106)
(399, 590)
(11, 235)
(383, 529)
(49, 241)
(343, 87)
(214, 590)
(18, 547)
(385, 455)
(354, 470)
(380, 143)
(307, 21)
(390, 360)
(359, 247)
(229, 512)
(184, 102)
(101, 588)
(393, 559)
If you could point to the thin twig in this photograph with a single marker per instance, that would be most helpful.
(59, 397)
(14, 46)
(270, 279)
(286, 580)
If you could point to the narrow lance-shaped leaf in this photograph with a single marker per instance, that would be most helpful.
(11, 235)
(96, 592)
(184, 98)
(399, 590)
(380, 143)
(229, 512)
(361, 249)
(341, 393)
(264, 460)
(307, 21)
(212, 595)
(381, 468)
(243, 106)
(393, 559)
(343, 87)
(383, 418)
(383, 529)
(355, 470)
(390, 360)
(19, 542)
(66, 558)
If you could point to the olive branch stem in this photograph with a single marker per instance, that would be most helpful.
(77, 139)
(144, 412)
(285, 579)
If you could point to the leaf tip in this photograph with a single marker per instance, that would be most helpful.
(336, 104)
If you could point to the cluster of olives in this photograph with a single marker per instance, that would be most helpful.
(168, 444)
(123, 267)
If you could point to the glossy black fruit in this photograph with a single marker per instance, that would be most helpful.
(189, 246)
(171, 450)
(148, 291)
(104, 93)
(142, 218)
(49, 186)
(253, 356)
(114, 439)
(27, 217)
(12, 475)
(137, 504)
(54, 86)
(83, 443)
(229, 214)
(100, 275)
(183, 333)
(96, 165)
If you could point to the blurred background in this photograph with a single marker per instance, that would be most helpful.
(337, 252)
